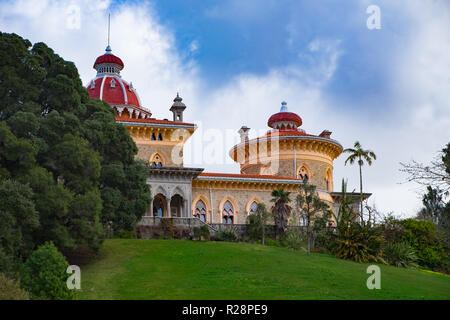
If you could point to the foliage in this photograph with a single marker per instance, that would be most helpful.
(360, 243)
(324, 236)
(433, 205)
(310, 204)
(65, 151)
(256, 227)
(400, 255)
(10, 289)
(125, 234)
(359, 154)
(423, 238)
(294, 240)
(281, 210)
(226, 234)
(18, 220)
(201, 233)
(44, 274)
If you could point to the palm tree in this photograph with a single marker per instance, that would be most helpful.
(281, 209)
(358, 153)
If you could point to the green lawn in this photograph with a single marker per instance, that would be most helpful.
(178, 269)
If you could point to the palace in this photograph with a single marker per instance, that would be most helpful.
(282, 158)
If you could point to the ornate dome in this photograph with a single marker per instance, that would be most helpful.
(108, 58)
(109, 86)
(284, 120)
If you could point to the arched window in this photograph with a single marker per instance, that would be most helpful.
(153, 136)
(156, 160)
(113, 83)
(227, 213)
(329, 181)
(200, 210)
(160, 137)
(253, 208)
(303, 173)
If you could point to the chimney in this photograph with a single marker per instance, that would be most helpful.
(325, 134)
(243, 132)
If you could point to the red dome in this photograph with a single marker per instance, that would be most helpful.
(285, 116)
(119, 93)
(109, 58)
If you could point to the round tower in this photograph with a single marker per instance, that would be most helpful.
(289, 151)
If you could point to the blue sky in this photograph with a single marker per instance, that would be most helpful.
(234, 61)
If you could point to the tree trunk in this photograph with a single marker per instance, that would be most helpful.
(263, 233)
(308, 239)
(360, 191)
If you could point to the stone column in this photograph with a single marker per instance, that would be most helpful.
(169, 213)
(186, 208)
(151, 206)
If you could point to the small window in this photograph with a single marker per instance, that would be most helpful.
(302, 173)
(153, 136)
(113, 83)
(160, 137)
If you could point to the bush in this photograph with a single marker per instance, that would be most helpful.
(44, 274)
(254, 227)
(10, 289)
(126, 234)
(423, 238)
(400, 255)
(295, 240)
(359, 243)
(201, 233)
(227, 234)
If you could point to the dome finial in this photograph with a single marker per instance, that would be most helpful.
(283, 106)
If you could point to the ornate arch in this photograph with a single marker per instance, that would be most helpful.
(233, 203)
(160, 190)
(205, 201)
(301, 169)
(247, 207)
(157, 159)
(178, 191)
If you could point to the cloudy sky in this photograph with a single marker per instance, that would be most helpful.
(234, 61)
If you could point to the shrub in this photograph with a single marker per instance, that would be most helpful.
(400, 255)
(44, 274)
(227, 234)
(126, 234)
(201, 233)
(359, 243)
(423, 238)
(295, 240)
(253, 227)
(10, 289)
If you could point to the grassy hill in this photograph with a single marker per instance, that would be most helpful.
(178, 269)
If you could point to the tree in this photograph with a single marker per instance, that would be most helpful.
(310, 204)
(257, 223)
(64, 146)
(360, 155)
(44, 274)
(435, 175)
(281, 210)
(433, 206)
